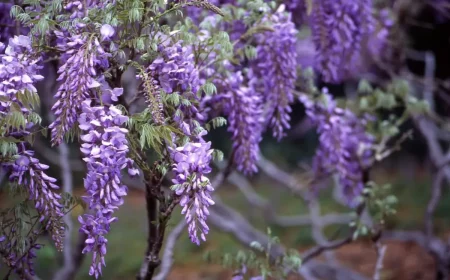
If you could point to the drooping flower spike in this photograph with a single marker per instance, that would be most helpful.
(345, 148)
(105, 149)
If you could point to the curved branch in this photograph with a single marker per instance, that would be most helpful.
(167, 259)
(228, 220)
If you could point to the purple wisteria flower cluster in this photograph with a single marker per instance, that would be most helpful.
(105, 149)
(345, 148)
(28, 171)
(238, 100)
(378, 42)
(23, 263)
(276, 70)
(191, 164)
(78, 77)
(174, 71)
(6, 22)
(18, 72)
(263, 95)
(243, 107)
(338, 30)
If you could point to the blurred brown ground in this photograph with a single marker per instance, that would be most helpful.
(403, 261)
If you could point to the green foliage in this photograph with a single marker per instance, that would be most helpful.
(155, 137)
(380, 203)
(217, 155)
(215, 123)
(209, 88)
(260, 260)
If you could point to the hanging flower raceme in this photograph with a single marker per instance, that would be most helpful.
(378, 44)
(297, 8)
(172, 71)
(28, 171)
(105, 148)
(78, 76)
(191, 164)
(175, 70)
(345, 148)
(21, 262)
(276, 69)
(243, 107)
(338, 28)
(7, 27)
(18, 72)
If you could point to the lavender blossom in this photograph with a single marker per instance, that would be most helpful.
(378, 43)
(7, 26)
(338, 29)
(107, 31)
(28, 171)
(191, 164)
(175, 70)
(21, 262)
(96, 227)
(276, 69)
(18, 73)
(78, 76)
(297, 8)
(243, 106)
(25, 265)
(105, 148)
(345, 147)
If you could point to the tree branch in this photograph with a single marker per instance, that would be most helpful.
(53, 157)
(285, 221)
(281, 176)
(432, 204)
(167, 259)
(151, 260)
(228, 220)
(429, 132)
(67, 180)
(166, 262)
(381, 250)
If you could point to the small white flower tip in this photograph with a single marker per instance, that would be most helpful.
(107, 31)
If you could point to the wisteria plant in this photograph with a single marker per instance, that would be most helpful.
(195, 66)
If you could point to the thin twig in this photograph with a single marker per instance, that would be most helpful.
(228, 220)
(316, 251)
(317, 228)
(67, 180)
(381, 250)
(432, 204)
(243, 184)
